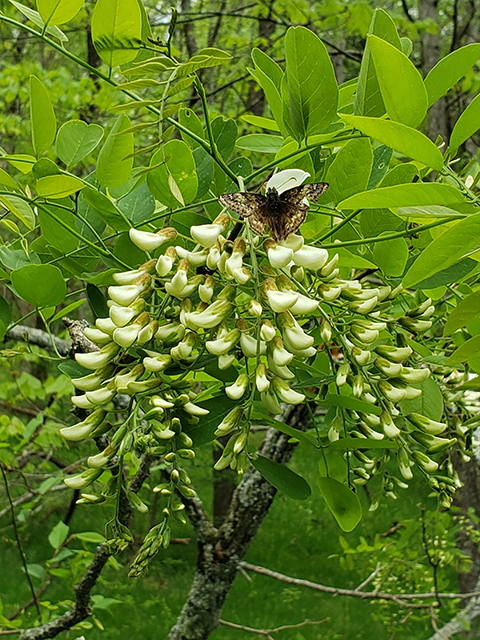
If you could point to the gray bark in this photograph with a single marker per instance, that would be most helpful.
(220, 551)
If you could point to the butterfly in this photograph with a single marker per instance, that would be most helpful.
(282, 213)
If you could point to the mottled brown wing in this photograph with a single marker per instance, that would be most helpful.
(287, 220)
(248, 205)
(245, 204)
(295, 196)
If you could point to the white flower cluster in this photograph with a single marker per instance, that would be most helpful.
(257, 309)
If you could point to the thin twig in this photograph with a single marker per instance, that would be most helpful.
(267, 632)
(19, 542)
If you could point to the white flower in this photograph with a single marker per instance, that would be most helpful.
(287, 179)
(261, 381)
(98, 359)
(206, 234)
(149, 241)
(236, 390)
(312, 258)
(97, 336)
(278, 255)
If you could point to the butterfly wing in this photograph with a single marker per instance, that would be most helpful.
(296, 195)
(248, 205)
(293, 210)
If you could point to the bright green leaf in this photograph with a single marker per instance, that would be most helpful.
(429, 403)
(56, 12)
(350, 402)
(117, 30)
(405, 140)
(20, 209)
(42, 285)
(342, 502)
(113, 166)
(179, 166)
(457, 242)
(42, 117)
(391, 256)
(404, 195)
(260, 121)
(58, 186)
(350, 170)
(76, 140)
(465, 311)
(260, 142)
(310, 91)
(401, 84)
(449, 70)
(467, 124)
(7, 181)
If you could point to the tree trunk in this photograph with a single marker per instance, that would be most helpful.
(221, 550)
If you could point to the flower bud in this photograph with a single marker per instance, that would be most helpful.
(432, 443)
(325, 331)
(184, 349)
(222, 345)
(235, 261)
(404, 465)
(392, 393)
(105, 325)
(414, 325)
(102, 395)
(294, 336)
(304, 305)
(363, 334)
(158, 401)
(389, 369)
(206, 234)
(97, 336)
(357, 386)
(251, 347)
(312, 258)
(342, 373)
(425, 424)
(278, 353)
(210, 317)
(226, 361)
(84, 429)
(255, 308)
(82, 480)
(98, 359)
(194, 258)
(368, 432)
(241, 275)
(240, 442)
(165, 263)
(93, 380)
(421, 309)
(395, 354)
(125, 294)
(329, 267)
(364, 307)
(414, 375)
(213, 258)
(388, 426)
(101, 459)
(278, 255)
(126, 336)
(285, 393)
(267, 330)
(424, 461)
(148, 241)
(329, 292)
(278, 300)
(121, 316)
(261, 380)
(230, 422)
(360, 356)
(236, 390)
(270, 402)
(195, 410)
(205, 290)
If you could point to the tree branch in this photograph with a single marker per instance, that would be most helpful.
(457, 623)
(38, 337)
(268, 632)
(398, 598)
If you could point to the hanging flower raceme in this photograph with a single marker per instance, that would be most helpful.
(286, 323)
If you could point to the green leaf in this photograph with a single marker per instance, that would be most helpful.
(405, 140)
(72, 369)
(350, 402)
(269, 76)
(66, 310)
(283, 478)
(44, 167)
(90, 536)
(404, 195)
(381, 159)
(204, 59)
(42, 285)
(20, 209)
(188, 118)
(454, 273)
(36, 18)
(224, 133)
(105, 208)
(260, 142)
(97, 301)
(467, 350)
(42, 117)
(449, 70)
(350, 171)
(76, 140)
(58, 534)
(58, 186)
(310, 91)
(368, 101)
(342, 502)
(428, 404)
(55, 234)
(427, 212)
(113, 166)
(332, 464)
(260, 121)
(391, 256)
(292, 432)
(179, 166)
(204, 431)
(21, 161)
(16, 258)
(117, 30)
(204, 165)
(55, 12)
(455, 243)
(138, 205)
(466, 310)
(466, 125)
(7, 181)
(401, 85)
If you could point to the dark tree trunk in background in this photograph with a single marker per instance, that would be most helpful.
(465, 498)
(266, 28)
